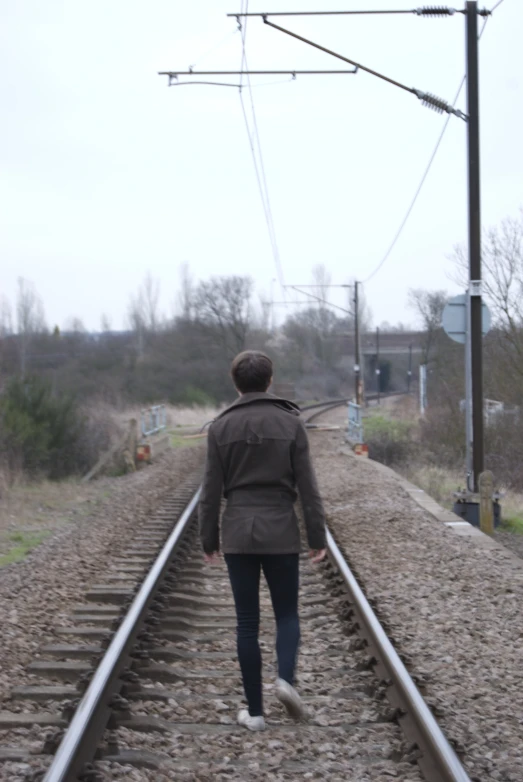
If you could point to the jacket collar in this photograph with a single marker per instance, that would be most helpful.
(260, 396)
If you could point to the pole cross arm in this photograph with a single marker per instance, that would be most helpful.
(190, 72)
(427, 99)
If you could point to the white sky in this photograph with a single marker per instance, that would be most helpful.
(107, 174)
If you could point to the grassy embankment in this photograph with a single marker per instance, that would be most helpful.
(32, 509)
(393, 435)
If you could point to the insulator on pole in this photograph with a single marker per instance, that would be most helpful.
(433, 102)
(432, 10)
(438, 104)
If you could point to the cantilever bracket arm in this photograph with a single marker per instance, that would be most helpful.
(428, 100)
(293, 73)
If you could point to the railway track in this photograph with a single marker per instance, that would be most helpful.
(145, 684)
(320, 408)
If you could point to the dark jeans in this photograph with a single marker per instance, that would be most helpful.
(281, 572)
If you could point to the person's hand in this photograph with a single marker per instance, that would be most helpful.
(316, 555)
(213, 558)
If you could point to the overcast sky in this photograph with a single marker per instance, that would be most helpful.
(108, 174)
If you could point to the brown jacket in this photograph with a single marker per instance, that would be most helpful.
(258, 457)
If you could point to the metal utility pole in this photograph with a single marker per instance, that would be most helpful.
(357, 366)
(409, 371)
(378, 370)
(422, 388)
(476, 336)
(471, 13)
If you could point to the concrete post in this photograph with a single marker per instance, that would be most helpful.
(486, 507)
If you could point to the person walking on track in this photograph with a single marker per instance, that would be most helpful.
(258, 459)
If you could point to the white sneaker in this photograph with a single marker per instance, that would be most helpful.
(286, 693)
(251, 723)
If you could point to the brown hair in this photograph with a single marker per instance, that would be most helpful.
(251, 371)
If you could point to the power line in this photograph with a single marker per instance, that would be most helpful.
(425, 173)
(426, 11)
(213, 48)
(318, 298)
(496, 6)
(258, 158)
(418, 191)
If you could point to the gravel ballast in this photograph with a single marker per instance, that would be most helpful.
(348, 735)
(452, 605)
(37, 595)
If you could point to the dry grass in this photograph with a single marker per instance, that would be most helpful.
(441, 484)
(32, 510)
(512, 511)
(438, 482)
(405, 408)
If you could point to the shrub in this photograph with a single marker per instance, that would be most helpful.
(101, 428)
(390, 441)
(443, 436)
(193, 397)
(39, 430)
(504, 450)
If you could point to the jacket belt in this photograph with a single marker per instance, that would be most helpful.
(261, 496)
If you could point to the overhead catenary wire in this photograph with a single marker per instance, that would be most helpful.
(256, 150)
(425, 174)
(213, 48)
(176, 83)
(318, 298)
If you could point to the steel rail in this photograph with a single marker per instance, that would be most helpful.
(439, 762)
(332, 402)
(303, 409)
(330, 405)
(89, 722)
(327, 409)
(314, 405)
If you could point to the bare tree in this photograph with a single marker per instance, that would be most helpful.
(150, 296)
(186, 295)
(266, 313)
(75, 325)
(136, 318)
(322, 279)
(223, 306)
(105, 323)
(6, 317)
(429, 305)
(143, 312)
(502, 265)
(30, 318)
